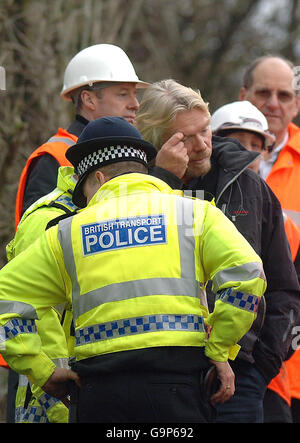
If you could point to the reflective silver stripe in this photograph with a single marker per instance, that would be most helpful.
(186, 239)
(186, 285)
(202, 295)
(241, 300)
(23, 380)
(132, 289)
(17, 326)
(61, 362)
(284, 216)
(199, 193)
(65, 140)
(139, 325)
(294, 215)
(245, 272)
(65, 240)
(23, 309)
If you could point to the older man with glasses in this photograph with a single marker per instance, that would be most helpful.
(270, 83)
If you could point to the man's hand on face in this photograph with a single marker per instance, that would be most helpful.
(173, 155)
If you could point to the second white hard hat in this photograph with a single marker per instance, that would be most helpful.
(242, 115)
(99, 63)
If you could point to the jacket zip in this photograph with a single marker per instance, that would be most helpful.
(234, 179)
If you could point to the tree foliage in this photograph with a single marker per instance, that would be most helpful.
(201, 43)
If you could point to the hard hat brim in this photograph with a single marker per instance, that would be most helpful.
(65, 93)
(269, 138)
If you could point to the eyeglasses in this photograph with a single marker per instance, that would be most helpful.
(282, 96)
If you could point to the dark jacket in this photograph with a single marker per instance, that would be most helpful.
(256, 212)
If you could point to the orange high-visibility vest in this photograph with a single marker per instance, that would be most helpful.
(284, 180)
(293, 235)
(293, 370)
(281, 384)
(55, 146)
(284, 177)
(3, 363)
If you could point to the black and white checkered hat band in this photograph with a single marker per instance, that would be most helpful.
(104, 155)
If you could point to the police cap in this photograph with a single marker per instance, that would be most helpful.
(102, 142)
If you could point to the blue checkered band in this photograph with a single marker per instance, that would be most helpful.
(32, 414)
(240, 300)
(107, 154)
(66, 201)
(47, 401)
(18, 326)
(139, 325)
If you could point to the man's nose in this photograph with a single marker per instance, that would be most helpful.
(199, 144)
(134, 103)
(272, 100)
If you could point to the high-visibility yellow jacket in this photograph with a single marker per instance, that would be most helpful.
(35, 219)
(43, 408)
(133, 265)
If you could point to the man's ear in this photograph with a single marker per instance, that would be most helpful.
(242, 93)
(88, 99)
(101, 178)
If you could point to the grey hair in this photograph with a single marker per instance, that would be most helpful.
(94, 87)
(248, 75)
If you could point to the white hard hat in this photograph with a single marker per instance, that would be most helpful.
(242, 115)
(99, 63)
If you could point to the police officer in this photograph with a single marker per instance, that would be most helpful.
(32, 405)
(134, 264)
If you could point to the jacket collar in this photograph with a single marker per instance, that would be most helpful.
(78, 125)
(230, 155)
(126, 184)
(65, 179)
(233, 159)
